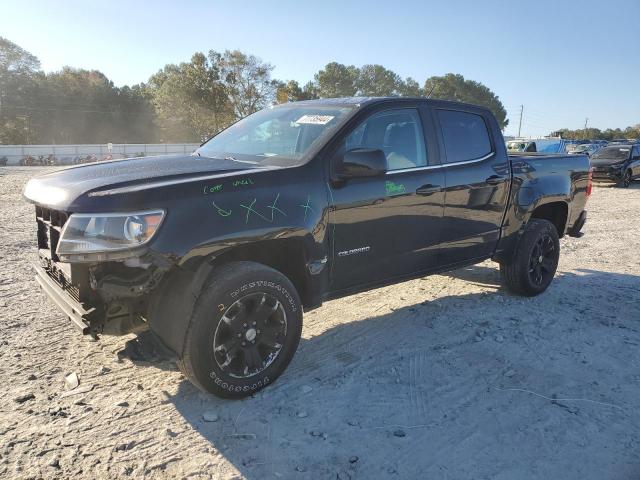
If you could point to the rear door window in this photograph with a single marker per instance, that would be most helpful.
(465, 135)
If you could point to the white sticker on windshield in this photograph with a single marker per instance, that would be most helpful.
(315, 119)
(623, 149)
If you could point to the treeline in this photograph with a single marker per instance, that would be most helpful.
(597, 134)
(188, 102)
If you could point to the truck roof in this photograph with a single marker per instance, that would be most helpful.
(362, 101)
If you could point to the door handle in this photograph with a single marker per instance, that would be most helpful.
(495, 180)
(428, 189)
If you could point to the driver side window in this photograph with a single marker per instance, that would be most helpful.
(398, 133)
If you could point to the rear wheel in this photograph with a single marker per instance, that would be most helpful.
(535, 261)
(244, 330)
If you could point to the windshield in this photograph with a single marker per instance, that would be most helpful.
(613, 152)
(279, 136)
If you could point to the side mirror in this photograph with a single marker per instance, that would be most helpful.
(363, 162)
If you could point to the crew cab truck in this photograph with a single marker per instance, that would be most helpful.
(219, 253)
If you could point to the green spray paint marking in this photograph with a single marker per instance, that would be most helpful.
(221, 211)
(307, 207)
(242, 182)
(275, 209)
(393, 188)
(212, 189)
(250, 210)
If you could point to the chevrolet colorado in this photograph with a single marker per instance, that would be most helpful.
(218, 253)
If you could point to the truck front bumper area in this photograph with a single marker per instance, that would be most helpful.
(608, 173)
(78, 314)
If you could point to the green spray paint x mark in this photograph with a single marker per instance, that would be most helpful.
(275, 209)
(394, 188)
(307, 207)
(251, 210)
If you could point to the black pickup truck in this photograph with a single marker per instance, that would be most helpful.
(218, 253)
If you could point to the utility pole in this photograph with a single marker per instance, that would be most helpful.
(520, 124)
(586, 120)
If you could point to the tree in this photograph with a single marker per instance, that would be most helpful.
(18, 71)
(291, 91)
(196, 100)
(83, 106)
(248, 82)
(410, 88)
(193, 100)
(69, 106)
(454, 87)
(377, 81)
(16, 60)
(336, 80)
(190, 99)
(632, 132)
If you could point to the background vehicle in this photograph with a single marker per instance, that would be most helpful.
(618, 163)
(218, 253)
(539, 145)
(585, 149)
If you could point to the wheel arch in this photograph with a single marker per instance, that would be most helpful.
(171, 304)
(556, 212)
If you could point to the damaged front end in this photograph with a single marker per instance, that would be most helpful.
(104, 292)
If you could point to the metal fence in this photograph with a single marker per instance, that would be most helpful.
(72, 154)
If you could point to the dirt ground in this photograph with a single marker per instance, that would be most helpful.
(445, 377)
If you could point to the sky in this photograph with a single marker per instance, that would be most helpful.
(564, 61)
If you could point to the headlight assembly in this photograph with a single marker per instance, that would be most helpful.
(85, 234)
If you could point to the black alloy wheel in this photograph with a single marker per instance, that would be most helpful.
(534, 262)
(542, 262)
(250, 336)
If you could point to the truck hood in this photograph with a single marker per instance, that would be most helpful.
(59, 188)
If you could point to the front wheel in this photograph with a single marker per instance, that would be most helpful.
(535, 261)
(625, 181)
(244, 330)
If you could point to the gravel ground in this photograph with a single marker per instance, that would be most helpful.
(445, 377)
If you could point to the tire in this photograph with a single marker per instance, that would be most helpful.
(244, 330)
(625, 181)
(535, 261)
